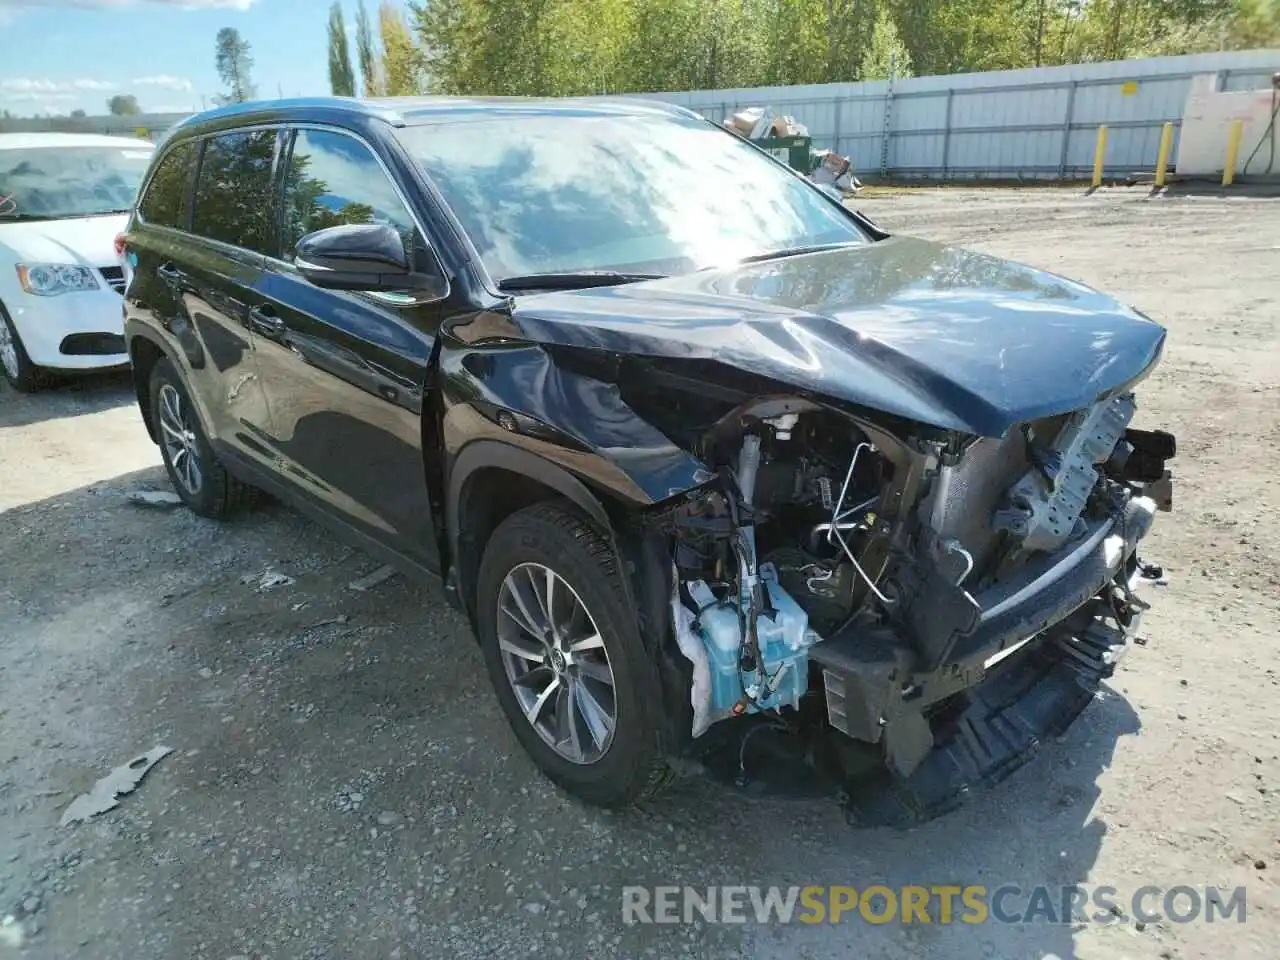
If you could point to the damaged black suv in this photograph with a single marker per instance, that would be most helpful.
(692, 444)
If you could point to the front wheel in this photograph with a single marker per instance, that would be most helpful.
(564, 654)
(23, 375)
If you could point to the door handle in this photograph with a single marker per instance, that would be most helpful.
(263, 321)
(169, 274)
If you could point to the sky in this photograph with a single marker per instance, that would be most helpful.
(57, 56)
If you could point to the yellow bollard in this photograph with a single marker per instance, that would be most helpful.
(1233, 149)
(1162, 158)
(1099, 153)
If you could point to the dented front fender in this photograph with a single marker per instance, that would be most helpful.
(518, 393)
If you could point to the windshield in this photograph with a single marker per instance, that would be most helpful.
(668, 195)
(52, 183)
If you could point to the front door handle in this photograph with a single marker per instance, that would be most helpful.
(263, 321)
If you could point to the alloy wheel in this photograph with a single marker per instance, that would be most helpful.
(8, 351)
(180, 440)
(556, 663)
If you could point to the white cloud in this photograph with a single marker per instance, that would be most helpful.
(164, 82)
(116, 4)
(27, 96)
(26, 87)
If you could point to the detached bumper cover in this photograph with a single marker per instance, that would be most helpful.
(1056, 615)
(1024, 701)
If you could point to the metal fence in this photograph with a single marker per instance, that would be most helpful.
(147, 126)
(1017, 124)
(1013, 124)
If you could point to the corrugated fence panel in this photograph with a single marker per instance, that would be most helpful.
(860, 119)
(1247, 79)
(1035, 123)
(996, 154)
(1029, 123)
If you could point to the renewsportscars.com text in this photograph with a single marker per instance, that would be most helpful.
(939, 903)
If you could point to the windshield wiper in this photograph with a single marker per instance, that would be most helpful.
(95, 213)
(796, 251)
(32, 217)
(574, 281)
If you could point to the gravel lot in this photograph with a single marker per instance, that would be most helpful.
(343, 785)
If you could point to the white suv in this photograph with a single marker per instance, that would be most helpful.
(64, 197)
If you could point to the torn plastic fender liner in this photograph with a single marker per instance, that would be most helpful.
(693, 649)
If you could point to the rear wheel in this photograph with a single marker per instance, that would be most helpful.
(565, 657)
(19, 371)
(200, 480)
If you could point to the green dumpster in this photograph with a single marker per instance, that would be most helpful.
(795, 152)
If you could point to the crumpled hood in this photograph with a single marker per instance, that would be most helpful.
(943, 336)
(85, 240)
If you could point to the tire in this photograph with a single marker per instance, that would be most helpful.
(215, 493)
(23, 375)
(548, 537)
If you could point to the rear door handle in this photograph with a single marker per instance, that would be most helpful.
(263, 321)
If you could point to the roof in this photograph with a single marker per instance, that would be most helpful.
(407, 111)
(21, 141)
(423, 109)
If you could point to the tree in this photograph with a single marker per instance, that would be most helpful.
(848, 25)
(443, 29)
(342, 81)
(367, 55)
(78, 114)
(887, 56)
(558, 47)
(401, 60)
(1255, 25)
(123, 105)
(235, 66)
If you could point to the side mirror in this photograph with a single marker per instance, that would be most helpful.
(360, 256)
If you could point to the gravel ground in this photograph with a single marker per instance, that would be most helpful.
(343, 785)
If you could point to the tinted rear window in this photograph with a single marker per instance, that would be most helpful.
(168, 197)
(233, 192)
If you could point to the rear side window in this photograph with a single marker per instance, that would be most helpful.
(233, 192)
(335, 179)
(168, 197)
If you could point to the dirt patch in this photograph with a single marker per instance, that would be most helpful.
(343, 784)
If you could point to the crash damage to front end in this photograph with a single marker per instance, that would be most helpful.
(910, 530)
(906, 580)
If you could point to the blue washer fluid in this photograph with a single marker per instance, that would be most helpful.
(784, 639)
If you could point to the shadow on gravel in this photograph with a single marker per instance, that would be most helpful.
(1039, 829)
(345, 785)
(66, 397)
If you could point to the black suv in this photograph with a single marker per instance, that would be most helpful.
(688, 440)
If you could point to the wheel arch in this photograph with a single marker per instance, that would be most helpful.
(144, 353)
(481, 494)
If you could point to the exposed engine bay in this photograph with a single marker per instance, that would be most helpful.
(885, 573)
